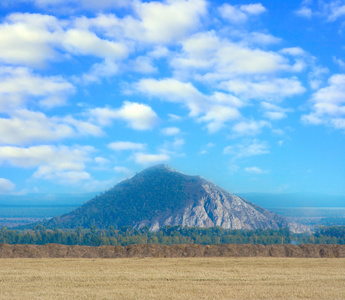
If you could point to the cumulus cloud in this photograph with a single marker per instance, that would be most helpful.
(101, 161)
(19, 85)
(6, 185)
(334, 10)
(166, 21)
(240, 13)
(270, 89)
(255, 170)
(305, 12)
(144, 65)
(249, 127)
(26, 127)
(170, 131)
(62, 163)
(124, 170)
(147, 159)
(172, 148)
(84, 42)
(71, 5)
(339, 62)
(248, 149)
(173, 90)
(330, 10)
(328, 104)
(273, 111)
(22, 36)
(138, 116)
(218, 58)
(152, 22)
(215, 110)
(120, 146)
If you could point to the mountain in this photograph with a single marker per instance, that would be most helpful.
(161, 196)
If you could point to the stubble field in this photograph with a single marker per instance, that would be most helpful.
(173, 278)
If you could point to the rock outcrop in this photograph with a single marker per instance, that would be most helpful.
(210, 206)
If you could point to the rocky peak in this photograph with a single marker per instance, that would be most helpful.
(160, 196)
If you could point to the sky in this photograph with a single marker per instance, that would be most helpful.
(250, 95)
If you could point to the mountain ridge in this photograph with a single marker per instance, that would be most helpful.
(159, 196)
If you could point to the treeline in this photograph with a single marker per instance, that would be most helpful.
(169, 235)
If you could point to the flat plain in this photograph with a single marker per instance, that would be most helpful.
(173, 278)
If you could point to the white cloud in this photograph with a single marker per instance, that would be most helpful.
(23, 36)
(248, 149)
(215, 110)
(170, 131)
(119, 169)
(335, 10)
(260, 38)
(153, 22)
(65, 164)
(173, 90)
(84, 42)
(19, 85)
(328, 104)
(305, 12)
(240, 13)
(274, 112)
(6, 185)
(25, 127)
(164, 22)
(253, 9)
(107, 68)
(316, 76)
(255, 170)
(102, 161)
(218, 115)
(219, 59)
(71, 5)
(144, 65)
(339, 62)
(137, 115)
(169, 147)
(208, 146)
(249, 127)
(144, 159)
(120, 146)
(159, 52)
(174, 118)
(270, 89)
(293, 51)
(62, 176)
(329, 10)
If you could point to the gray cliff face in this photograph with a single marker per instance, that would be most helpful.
(210, 206)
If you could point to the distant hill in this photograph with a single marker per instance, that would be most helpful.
(161, 196)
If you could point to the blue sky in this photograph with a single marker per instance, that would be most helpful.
(250, 95)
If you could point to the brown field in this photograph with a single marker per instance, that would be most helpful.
(172, 278)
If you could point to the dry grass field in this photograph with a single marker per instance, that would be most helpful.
(173, 278)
